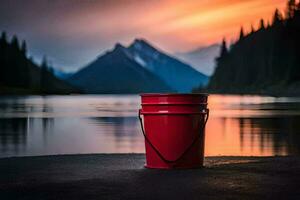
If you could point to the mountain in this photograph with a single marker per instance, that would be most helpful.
(180, 76)
(202, 59)
(117, 72)
(20, 75)
(135, 69)
(265, 61)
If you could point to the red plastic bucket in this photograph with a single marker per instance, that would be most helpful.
(173, 126)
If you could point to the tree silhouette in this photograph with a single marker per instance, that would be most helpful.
(291, 7)
(20, 74)
(224, 50)
(44, 70)
(26, 71)
(277, 17)
(267, 62)
(15, 43)
(24, 48)
(242, 33)
(3, 39)
(3, 45)
(252, 29)
(16, 60)
(262, 24)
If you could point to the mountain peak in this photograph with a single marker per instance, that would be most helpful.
(138, 67)
(140, 44)
(140, 40)
(119, 46)
(120, 49)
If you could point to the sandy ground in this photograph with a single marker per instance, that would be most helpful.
(122, 176)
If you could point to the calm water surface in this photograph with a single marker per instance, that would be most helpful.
(238, 125)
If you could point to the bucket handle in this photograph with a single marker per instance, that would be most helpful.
(187, 149)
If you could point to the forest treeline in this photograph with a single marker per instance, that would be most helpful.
(263, 61)
(20, 75)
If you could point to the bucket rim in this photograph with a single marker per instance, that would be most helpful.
(172, 94)
(173, 104)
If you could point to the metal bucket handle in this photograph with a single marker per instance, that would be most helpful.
(186, 150)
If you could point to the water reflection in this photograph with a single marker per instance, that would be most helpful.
(238, 125)
(13, 135)
(281, 134)
(125, 131)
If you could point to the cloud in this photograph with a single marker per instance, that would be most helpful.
(72, 33)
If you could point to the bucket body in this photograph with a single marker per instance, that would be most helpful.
(173, 126)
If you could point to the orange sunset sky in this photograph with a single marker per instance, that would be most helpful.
(72, 33)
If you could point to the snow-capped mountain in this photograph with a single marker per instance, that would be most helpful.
(116, 72)
(178, 75)
(135, 69)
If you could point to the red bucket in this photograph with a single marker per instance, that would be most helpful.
(173, 128)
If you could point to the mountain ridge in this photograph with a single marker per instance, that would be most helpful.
(119, 74)
(179, 75)
(144, 62)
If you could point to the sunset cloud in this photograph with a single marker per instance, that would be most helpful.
(72, 33)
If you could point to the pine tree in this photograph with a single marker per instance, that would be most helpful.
(242, 33)
(277, 17)
(224, 50)
(43, 77)
(252, 29)
(266, 62)
(17, 61)
(19, 72)
(262, 24)
(4, 69)
(3, 44)
(26, 69)
(291, 7)
(24, 48)
(15, 43)
(3, 39)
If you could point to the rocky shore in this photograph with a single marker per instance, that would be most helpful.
(122, 176)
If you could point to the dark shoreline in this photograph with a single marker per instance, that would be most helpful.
(122, 176)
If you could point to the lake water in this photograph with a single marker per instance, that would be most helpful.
(238, 125)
